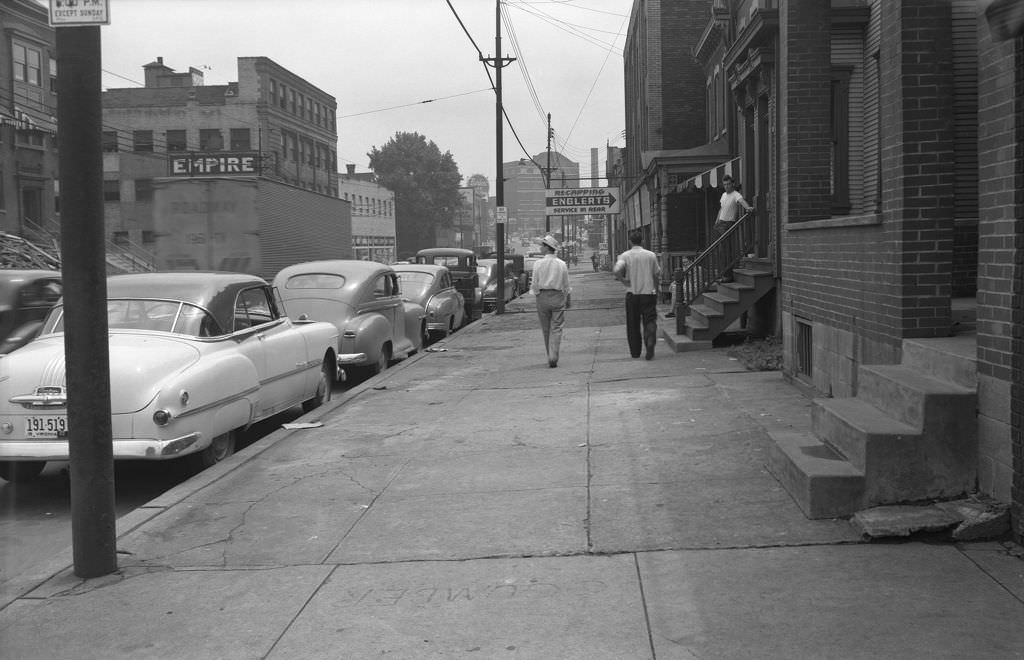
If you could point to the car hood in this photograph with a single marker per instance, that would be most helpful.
(138, 364)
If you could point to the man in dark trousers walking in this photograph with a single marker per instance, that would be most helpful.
(640, 271)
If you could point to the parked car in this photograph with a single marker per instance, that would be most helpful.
(194, 357)
(26, 296)
(461, 263)
(363, 299)
(431, 286)
(528, 263)
(488, 270)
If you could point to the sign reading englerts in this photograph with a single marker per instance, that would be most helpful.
(219, 164)
(69, 13)
(581, 201)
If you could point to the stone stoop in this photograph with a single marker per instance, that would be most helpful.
(910, 434)
(715, 311)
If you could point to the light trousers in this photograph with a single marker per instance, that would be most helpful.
(551, 313)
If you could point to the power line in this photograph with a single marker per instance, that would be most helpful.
(408, 105)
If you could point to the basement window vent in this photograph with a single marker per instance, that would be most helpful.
(804, 342)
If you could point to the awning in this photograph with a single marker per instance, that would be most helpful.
(711, 178)
(28, 119)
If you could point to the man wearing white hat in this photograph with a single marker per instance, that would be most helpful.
(550, 284)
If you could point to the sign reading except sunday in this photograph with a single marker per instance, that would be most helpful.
(69, 13)
(219, 164)
(582, 201)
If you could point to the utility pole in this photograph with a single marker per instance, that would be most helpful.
(90, 444)
(499, 189)
(547, 178)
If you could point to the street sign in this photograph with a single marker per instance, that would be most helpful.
(581, 201)
(501, 214)
(68, 13)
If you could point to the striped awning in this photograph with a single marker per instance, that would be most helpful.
(27, 119)
(711, 178)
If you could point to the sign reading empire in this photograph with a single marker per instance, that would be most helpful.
(220, 164)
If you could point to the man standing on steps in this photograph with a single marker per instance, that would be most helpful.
(550, 283)
(640, 271)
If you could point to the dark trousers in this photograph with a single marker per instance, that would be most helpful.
(641, 322)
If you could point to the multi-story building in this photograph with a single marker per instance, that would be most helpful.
(886, 246)
(28, 122)
(526, 182)
(373, 216)
(275, 124)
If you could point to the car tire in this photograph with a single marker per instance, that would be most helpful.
(383, 360)
(424, 335)
(19, 472)
(220, 448)
(323, 389)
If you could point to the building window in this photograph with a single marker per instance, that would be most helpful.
(282, 99)
(121, 238)
(143, 190)
(839, 166)
(302, 106)
(111, 190)
(110, 141)
(273, 91)
(241, 139)
(804, 348)
(210, 139)
(3, 204)
(177, 140)
(309, 109)
(142, 140)
(316, 114)
(53, 75)
(27, 64)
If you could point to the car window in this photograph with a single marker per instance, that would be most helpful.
(141, 314)
(383, 287)
(252, 308)
(315, 281)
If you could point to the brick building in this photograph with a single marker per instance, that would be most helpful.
(525, 183)
(28, 119)
(373, 215)
(880, 141)
(284, 125)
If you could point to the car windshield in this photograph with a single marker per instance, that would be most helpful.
(145, 314)
(415, 283)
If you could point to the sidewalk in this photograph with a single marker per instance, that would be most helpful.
(471, 502)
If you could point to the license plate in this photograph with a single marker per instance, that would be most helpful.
(51, 426)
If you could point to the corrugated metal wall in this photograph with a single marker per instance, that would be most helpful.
(298, 225)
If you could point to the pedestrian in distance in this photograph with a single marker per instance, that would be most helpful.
(550, 284)
(729, 205)
(593, 260)
(640, 271)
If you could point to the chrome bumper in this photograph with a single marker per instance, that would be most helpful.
(57, 450)
(351, 358)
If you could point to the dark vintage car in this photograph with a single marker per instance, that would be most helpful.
(364, 301)
(194, 358)
(432, 287)
(488, 270)
(461, 263)
(25, 298)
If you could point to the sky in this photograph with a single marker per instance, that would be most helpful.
(406, 65)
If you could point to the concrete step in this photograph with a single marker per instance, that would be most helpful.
(913, 397)
(682, 343)
(954, 359)
(820, 480)
(860, 431)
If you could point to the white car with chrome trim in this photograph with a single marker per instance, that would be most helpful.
(194, 357)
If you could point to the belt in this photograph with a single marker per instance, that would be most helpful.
(543, 290)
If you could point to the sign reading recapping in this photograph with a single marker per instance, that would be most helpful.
(581, 201)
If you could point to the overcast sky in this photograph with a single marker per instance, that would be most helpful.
(382, 58)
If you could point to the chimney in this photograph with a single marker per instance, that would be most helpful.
(350, 168)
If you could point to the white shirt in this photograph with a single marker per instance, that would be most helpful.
(730, 203)
(639, 270)
(549, 272)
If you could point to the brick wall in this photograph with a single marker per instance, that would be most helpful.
(1000, 288)
(682, 79)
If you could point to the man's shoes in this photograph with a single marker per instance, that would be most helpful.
(552, 363)
(650, 353)
(670, 315)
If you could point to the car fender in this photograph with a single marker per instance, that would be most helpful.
(218, 382)
(414, 317)
(365, 333)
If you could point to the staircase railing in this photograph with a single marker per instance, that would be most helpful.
(129, 255)
(708, 267)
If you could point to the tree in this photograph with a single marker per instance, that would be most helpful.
(426, 186)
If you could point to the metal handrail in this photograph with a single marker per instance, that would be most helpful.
(708, 267)
(139, 257)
